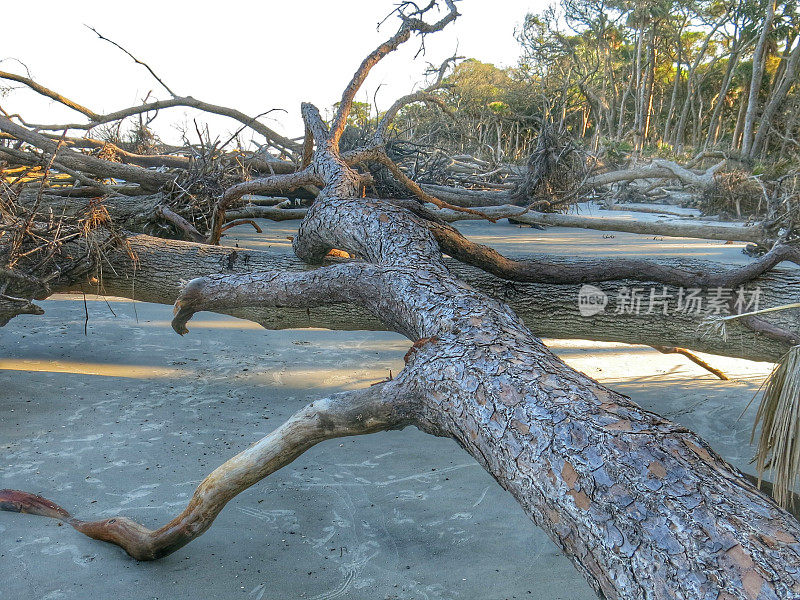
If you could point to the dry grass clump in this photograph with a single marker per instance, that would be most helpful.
(779, 416)
(778, 448)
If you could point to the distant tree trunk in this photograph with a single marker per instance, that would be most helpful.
(639, 92)
(673, 99)
(777, 97)
(716, 120)
(736, 140)
(621, 121)
(759, 61)
(647, 101)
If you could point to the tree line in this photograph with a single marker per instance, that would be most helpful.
(655, 78)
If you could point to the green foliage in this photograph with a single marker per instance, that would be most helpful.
(360, 114)
(665, 78)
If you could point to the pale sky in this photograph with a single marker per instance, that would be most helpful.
(247, 55)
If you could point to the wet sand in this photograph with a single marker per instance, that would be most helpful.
(128, 418)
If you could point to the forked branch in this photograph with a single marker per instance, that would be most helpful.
(411, 22)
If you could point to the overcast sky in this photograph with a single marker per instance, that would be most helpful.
(248, 55)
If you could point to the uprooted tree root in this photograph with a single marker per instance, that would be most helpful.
(41, 250)
(734, 193)
(555, 172)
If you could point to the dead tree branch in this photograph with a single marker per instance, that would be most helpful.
(358, 412)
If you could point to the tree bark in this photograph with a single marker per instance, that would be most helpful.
(549, 310)
(644, 508)
(759, 60)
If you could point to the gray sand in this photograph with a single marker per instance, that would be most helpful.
(129, 418)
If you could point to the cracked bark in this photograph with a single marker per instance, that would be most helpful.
(550, 310)
(644, 508)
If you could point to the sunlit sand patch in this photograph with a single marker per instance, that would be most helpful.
(85, 368)
(89, 298)
(309, 378)
(200, 324)
(612, 362)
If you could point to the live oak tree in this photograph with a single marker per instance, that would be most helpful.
(644, 508)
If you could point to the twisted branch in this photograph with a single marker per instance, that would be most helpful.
(358, 412)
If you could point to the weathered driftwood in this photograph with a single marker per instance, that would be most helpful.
(549, 310)
(90, 165)
(643, 507)
(707, 230)
(658, 169)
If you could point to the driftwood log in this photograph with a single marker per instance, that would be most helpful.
(549, 310)
(643, 507)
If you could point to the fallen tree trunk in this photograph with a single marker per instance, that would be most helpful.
(673, 228)
(468, 198)
(549, 310)
(266, 212)
(653, 210)
(644, 508)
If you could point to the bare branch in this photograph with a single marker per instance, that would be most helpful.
(329, 285)
(425, 95)
(378, 154)
(237, 222)
(694, 358)
(86, 164)
(136, 60)
(410, 23)
(96, 119)
(357, 412)
(182, 224)
(273, 183)
(50, 94)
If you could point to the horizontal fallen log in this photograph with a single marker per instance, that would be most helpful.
(705, 230)
(653, 210)
(672, 228)
(550, 310)
(88, 165)
(468, 198)
(266, 212)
